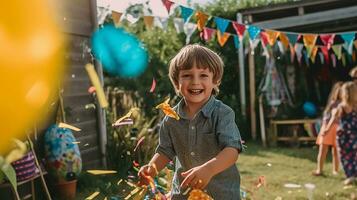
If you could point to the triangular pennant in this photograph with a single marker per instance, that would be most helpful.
(309, 40)
(313, 54)
(322, 59)
(264, 38)
(281, 47)
(161, 22)
(338, 50)
(240, 29)
(188, 29)
(265, 51)
(201, 20)
(353, 57)
(348, 37)
(327, 39)
(253, 32)
(236, 41)
(272, 36)
(186, 13)
(132, 18)
(179, 24)
(222, 38)
(284, 40)
(207, 33)
(292, 53)
(324, 51)
(308, 50)
(298, 49)
(253, 45)
(167, 5)
(306, 57)
(221, 24)
(148, 21)
(116, 18)
(333, 59)
(292, 38)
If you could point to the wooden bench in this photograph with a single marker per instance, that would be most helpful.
(294, 137)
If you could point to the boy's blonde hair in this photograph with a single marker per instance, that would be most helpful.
(195, 55)
(347, 91)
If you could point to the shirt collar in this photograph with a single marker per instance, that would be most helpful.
(206, 109)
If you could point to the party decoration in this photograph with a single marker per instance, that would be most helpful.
(284, 39)
(140, 141)
(309, 109)
(161, 22)
(338, 50)
(167, 4)
(123, 122)
(188, 29)
(272, 36)
(165, 107)
(64, 125)
(153, 85)
(292, 37)
(148, 21)
(127, 115)
(327, 39)
(92, 196)
(101, 172)
(222, 38)
(253, 32)
(239, 28)
(207, 33)
(221, 24)
(116, 18)
(199, 194)
(31, 64)
(95, 81)
(178, 23)
(201, 20)
(186, 13)
(236, 41)
(63, 158)
(121, 53)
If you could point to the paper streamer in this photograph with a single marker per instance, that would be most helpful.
(96, 83)
(64, 125)
(101, 172)
(153, 85)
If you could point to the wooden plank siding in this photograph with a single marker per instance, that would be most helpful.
(76, 19)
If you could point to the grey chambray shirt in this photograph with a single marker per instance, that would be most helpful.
(194, 142)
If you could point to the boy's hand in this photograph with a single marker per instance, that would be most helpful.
(146, 173)
(197, 177)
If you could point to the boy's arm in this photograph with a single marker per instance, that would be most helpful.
(159, 161)
(200, 176)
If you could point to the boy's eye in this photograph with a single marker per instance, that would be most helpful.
(185, 75)
(204, 75)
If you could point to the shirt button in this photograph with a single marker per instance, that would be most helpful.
(192, 153)
(192, 127)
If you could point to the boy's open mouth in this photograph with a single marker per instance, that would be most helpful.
(195, 91)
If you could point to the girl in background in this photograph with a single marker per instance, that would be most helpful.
(325, 138)
(346, 113)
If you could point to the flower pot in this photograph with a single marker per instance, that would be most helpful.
(66, 189)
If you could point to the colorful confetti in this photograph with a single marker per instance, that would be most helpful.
(153, 85)
(140, 141)
(92, 196)
(127, 115)
(101, 172)
(123, 122)
(165, 107)
(199, 194)
(64, 125)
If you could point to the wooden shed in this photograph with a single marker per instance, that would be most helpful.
(79, 20)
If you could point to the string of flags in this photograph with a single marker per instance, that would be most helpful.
(327, 47)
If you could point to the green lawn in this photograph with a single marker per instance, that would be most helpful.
(281, 165)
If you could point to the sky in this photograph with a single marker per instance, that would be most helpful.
(156, 5)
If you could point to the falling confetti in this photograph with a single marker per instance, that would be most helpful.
(261, 181)
(96, 83)
(165, 107)
(92, 196)
(63, 125)
(127, 115)
(101, 172)
(123, 122)
(153, 85)
(91, 105)
(76, 142)
(139, 143)
(292, 185)
(91, 89)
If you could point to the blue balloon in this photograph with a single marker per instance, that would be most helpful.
(120, 53)
(310, 109)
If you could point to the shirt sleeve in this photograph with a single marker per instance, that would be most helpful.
(227, 131)
(165, 146)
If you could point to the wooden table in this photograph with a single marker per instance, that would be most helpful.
(294, 137)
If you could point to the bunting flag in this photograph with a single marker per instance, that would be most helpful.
(292, 38)
(239, 28)
(298, 49)
(253, 32)
(284, 40)
(207, 33)
(313, 54)
(281, 47)
(222, 38)
(221, 24)
(292, 53)
(186, 13)
(236, 41)
(132, 19)
(309, 40)
(321, 55)
(161, 22)
(148, 21)
(167, 5)
(324, 51)
(179, 24)
(201, 20)
(338, 50)
(116, 18)
(306, 57)
(272, 36)
(348, 38)
(264, 38)
(327, 39)
(343, 59)
(188, 29)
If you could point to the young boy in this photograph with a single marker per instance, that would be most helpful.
(205, 141)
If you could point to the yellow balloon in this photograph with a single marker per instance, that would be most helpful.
(31, 66)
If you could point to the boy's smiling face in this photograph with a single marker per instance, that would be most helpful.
(196, 85)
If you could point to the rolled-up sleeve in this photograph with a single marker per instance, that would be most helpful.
(165, 146)
(227, 131)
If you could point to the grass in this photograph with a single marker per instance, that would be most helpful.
(289, 165)
(279, 166)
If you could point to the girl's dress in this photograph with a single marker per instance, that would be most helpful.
(347, 143)
(330, 136)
